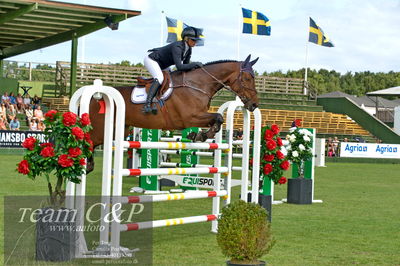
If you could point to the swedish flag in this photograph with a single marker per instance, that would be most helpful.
(175, 28)
(255, 23)
(317, 35)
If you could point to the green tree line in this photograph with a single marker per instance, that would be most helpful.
(322, 81)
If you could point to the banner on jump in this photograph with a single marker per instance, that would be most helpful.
(369, 150)
(14, 139)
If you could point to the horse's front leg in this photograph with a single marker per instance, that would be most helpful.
(211, 120)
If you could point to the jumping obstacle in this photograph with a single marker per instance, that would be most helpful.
(113, 98)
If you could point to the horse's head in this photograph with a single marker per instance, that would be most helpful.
(244, 85)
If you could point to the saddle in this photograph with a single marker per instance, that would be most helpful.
(139, 93)
(146, 82)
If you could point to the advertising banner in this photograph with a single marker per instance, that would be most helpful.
(14, 139)
(369, 150)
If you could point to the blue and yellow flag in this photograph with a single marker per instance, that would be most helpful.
(175, 28)
(317, 36)
(255, 23)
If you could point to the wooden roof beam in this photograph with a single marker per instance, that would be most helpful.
(17, 13)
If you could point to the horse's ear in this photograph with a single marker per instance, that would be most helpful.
(247, 60)
(252, 63)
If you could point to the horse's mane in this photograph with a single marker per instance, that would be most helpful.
(219, 61)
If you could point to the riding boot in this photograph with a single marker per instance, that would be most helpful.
(152, 92)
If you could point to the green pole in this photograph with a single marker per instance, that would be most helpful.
(74, 62)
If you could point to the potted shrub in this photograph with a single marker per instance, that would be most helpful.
(299, 150)
(62, 158)
(244, 233)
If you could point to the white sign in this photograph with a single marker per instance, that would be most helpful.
(369, 150)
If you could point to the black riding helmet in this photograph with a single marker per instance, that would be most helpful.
(191, 33)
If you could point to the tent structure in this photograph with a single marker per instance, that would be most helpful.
(394, 91)
(28, 25)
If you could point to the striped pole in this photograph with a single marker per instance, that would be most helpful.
(194, 194)
(199, 153)
(167, 222)
(174, 145)
(182, 139)
(174, 171)
(184, 165)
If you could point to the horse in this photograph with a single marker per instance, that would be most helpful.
(189, 103)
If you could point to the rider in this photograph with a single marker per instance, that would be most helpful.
(177, 53)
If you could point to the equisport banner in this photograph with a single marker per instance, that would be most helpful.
(14, 139)
(369, 150)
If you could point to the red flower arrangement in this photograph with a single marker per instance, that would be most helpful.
(63, 156)
(273, 161)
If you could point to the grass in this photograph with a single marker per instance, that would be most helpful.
(358, 222)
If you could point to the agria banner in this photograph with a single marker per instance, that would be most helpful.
(369, 150)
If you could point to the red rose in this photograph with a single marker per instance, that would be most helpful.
(280, 155)
(47, 144)
(50, 115)
(268, 134)
(47, 151)
(91, 148)
(69, 119)
(297, 122)
(78, 133)
(23, 167)
(85, 120)
(282, 180)
(275, 129)
(29, 143)
(82, 161)
(267, 169)
(269, 157)
(279, 141)
(87, 137)
(65, 161)
(74, 152)
(285, 165)
(271, 144)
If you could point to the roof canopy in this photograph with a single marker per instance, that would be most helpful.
(27, 25)
(395, 91)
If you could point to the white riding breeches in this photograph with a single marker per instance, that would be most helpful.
(154, 68)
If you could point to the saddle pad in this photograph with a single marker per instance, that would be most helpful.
(139, 95)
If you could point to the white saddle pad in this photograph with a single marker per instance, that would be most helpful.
(139, 95)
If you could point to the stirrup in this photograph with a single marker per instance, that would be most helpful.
(147, 108)
(154, 109)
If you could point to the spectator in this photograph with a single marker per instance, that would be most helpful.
(3, 125)
(335, 145)
(41, 126)
(29, 114)
(13, 100)
(38, 113)
(33, 125)
(14, 124)
(27, 101)
(3, 112)
(5, 99)
(20, 103)
(35, 100)
(345, 140)
(11, 112)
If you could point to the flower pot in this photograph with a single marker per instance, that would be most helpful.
(55, 235)
(259, 263)
(264, 201)
(299, 191)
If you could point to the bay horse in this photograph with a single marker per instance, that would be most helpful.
(189, 103)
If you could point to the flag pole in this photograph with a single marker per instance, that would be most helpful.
(162, 28)
(239, 32)
(306, 68)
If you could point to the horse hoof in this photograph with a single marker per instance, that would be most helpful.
(191, 136)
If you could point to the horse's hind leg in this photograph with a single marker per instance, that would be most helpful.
(212, 120)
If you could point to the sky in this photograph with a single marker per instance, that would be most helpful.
(366, 34)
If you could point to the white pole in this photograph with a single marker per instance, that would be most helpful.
(162, 28)
(239, 31)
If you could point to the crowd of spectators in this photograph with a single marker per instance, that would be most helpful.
(28, 107)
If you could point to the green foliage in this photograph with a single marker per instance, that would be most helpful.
(244, 233)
